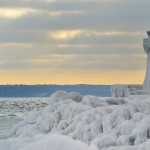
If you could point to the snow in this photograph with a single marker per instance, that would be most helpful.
(58, 142)
(46, 142)
(72, 121)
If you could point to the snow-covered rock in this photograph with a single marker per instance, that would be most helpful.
(58, 142)
(108, 123)
(62, 95)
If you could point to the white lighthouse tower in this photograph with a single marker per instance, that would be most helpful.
(146, 45)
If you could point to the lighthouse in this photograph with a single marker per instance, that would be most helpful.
(146, 45)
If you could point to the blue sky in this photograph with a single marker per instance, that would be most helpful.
(73, 41)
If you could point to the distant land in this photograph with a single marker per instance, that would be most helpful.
(47, 90)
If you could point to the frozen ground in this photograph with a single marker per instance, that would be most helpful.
(71, 121)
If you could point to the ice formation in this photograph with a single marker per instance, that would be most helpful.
(146, 45)
(124, 90)
(106, 123)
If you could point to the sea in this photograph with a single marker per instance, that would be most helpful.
(16, 101)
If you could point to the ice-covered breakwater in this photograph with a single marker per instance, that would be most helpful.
(124, 90)
(102, 123)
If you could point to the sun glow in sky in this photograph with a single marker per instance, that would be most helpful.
(73, 41)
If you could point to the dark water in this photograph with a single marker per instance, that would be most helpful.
(47, 90)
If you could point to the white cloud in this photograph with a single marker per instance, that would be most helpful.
(73, 45)
(116, 33)
(20, 45)
(81, 1)
(59, 13)
(70, 34)
(65, 34)
(72, 27)
(15, 12)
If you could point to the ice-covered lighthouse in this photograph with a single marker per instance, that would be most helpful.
(146, 45)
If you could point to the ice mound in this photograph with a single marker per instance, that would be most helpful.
(94, 101)
(62, 95)
(108, 123)
(45, 142)
(58, 142)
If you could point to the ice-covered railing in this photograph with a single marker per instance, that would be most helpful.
(124, 90)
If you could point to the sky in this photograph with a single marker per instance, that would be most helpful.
(73, 41)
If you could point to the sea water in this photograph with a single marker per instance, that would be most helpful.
(13, 110)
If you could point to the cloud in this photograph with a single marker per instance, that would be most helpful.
(73, 35)
(13, 13)
(65, 35)
(72, 62)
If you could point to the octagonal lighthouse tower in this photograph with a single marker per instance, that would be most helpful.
(146, 45)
